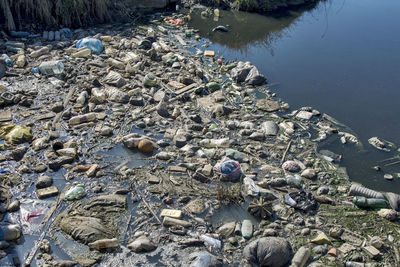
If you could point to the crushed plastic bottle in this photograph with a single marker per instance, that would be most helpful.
(104, 244)
(75, 193)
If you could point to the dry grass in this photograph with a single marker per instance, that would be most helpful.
(68, 13)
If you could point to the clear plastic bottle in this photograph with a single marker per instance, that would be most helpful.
(210, 143)
(51, 67)
(82, 118)
(211, 241)
(7, 59)
(150, 32)
(75, 193)
(104, 244)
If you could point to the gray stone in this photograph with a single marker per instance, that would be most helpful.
(268, 251)
(3, 68)
(270, 128)
(320, 250)
(44, 181)
(323, 190)
(114, 79)
(254, 77)
(142, 244)
(240, 72)
(203, 259)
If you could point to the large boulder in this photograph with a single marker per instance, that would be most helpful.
(268, 251)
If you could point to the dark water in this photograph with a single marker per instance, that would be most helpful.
(340, 57)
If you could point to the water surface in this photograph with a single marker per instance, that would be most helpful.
(340, 57)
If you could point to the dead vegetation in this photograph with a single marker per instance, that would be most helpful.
(67, 13)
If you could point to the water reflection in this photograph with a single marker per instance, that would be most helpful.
(247, 29)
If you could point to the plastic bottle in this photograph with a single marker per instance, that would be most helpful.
(211, 241)
(104, 244)
(40, 52)
(45, 35)
(364, 202)
(290, 201)
(51, 35)
(216, 12)
(156, 47)
(7, 59)
(82, 118)
(57, 35)
(210, 143)
(51, 67)
(164, 46)
(354, 264)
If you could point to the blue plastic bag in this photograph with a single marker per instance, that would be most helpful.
(93, 44)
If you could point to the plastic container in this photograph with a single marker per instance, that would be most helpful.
(356, 190)
(247, 229)
(364, 202)
(7, 59)
(51, 67)
(93, 44)
(104, 244)
(216, 12)
(82, 118)
(75, 193)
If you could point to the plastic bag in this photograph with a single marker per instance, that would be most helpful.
(32, 212)
(93, 44)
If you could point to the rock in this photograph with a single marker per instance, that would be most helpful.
(116, 95)
(268, 105)
(57, 163)
(377, 242)
(203, 259)
(321, 239)
(114, 79)
(320, 250)
(44, 181)
(240, 72)
(268, 251)
(220, 110)
(10, 232)
(270, 128)
(145, 146)
(47, 192)
(388, 176)
(393, 199)
(323, 190)
(195, 206)
(142, 244)
(85, 229)
(14, 206)
(304, 115)
(388, 214)
(309, 174)
(254, 77)
(226, 229)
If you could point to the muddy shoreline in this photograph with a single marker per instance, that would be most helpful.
(149, 159)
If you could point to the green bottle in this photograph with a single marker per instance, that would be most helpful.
(364, 202)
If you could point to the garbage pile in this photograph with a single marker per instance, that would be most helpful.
(120, 145)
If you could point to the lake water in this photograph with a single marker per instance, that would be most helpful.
(340, 57)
